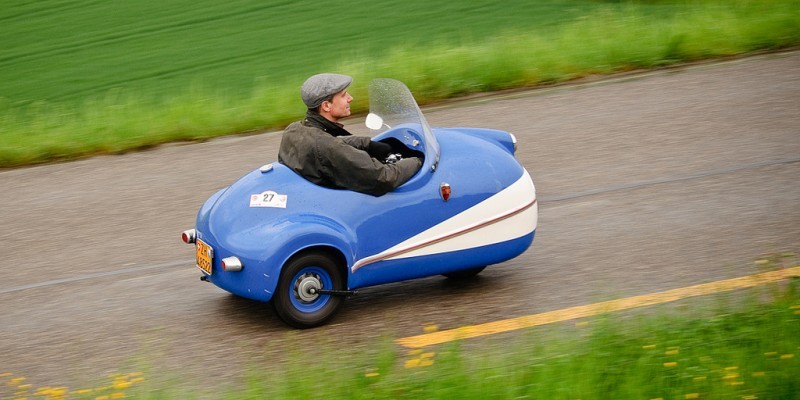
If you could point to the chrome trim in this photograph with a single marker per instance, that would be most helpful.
(514, 141)
(189, 236)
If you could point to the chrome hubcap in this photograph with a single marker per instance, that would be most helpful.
(307, 286)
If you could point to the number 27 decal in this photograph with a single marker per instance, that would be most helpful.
(268, 199)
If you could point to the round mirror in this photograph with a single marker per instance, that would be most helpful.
(374, 122)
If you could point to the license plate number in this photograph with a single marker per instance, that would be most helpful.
(204, 256)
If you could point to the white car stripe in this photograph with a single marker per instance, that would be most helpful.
(477, 226)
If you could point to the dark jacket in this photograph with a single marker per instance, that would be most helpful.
(325, 153)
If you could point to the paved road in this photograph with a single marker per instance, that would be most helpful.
(646, 182)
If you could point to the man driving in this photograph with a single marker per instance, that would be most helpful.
(322, 151)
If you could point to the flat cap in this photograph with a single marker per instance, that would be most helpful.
(318, 88)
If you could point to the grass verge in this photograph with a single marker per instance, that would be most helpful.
(737, 345)
(609, 38)
(744, 345)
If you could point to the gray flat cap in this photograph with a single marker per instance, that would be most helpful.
(319, 87)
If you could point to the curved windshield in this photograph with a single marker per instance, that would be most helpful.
(393, 103)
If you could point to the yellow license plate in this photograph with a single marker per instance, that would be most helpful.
(204, 256)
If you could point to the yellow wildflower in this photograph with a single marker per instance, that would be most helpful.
(57, 392)
(786, 356)
(699, 378)
(371, 374)
(649, 347)
(118, 395)
(121, 384)
(670, 364)
(692, 396)
(16, 381)
(413, 363)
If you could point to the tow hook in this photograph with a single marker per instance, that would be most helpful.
(333, 292)
(204, 278)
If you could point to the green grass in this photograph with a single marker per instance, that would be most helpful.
(79, 78)
(737, 345)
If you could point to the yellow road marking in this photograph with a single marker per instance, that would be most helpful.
(567, 314)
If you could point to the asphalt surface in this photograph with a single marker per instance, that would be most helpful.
(646, 182)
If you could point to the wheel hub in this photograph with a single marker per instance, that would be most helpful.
(307, 286)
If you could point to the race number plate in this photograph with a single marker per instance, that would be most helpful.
(268, 199)
(204, 256)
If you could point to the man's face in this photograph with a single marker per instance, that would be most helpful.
(339, 106)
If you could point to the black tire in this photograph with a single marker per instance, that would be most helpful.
(295, 301)
(464, 273)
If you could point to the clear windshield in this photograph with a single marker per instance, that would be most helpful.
(391, 100)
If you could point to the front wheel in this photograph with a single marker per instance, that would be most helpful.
(297, 301)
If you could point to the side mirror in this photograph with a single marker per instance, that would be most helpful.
(374, 122)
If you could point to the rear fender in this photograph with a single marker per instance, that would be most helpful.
(309, 233)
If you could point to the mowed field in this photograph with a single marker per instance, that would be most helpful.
(69, 50)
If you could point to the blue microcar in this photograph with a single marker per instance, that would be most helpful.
(274, 236)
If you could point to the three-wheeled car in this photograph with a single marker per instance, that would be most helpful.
(274, 236)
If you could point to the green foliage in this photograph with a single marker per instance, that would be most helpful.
(83, 78)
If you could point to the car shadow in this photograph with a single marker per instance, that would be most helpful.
(414, 298)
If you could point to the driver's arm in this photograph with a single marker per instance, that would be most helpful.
(356, 170)
(375, 149)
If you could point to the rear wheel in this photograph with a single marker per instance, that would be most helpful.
(464, 273)
(297, 300)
